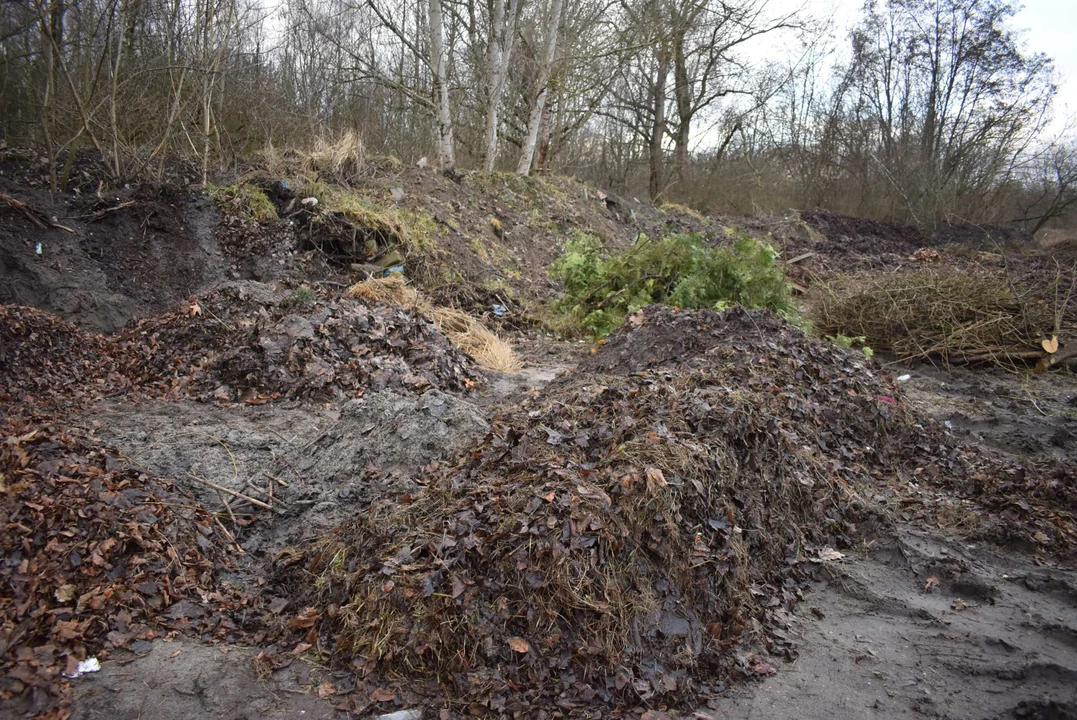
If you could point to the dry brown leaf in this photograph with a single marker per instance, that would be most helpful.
(65, 593)
(382, 695)
(305, 619)
(194, 310)
(932, 582)
(655, 479)
(518, 644)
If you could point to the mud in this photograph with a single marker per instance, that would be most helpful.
(1021, 415)
(327, 464)
(183, 679)
(996, 638)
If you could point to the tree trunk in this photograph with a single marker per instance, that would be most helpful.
(658, 126)
(439, 64)
(682, 91)
(527, 153)
(502, 36)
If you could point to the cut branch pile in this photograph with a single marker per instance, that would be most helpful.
(954, 314)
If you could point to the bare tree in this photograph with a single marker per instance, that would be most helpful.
(1051, 186)
(501, 42)
(542, 89)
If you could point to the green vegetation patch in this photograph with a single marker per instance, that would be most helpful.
(244, 200)
(601, 288)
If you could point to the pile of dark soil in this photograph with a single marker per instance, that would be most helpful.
(821, 245)
(97, 560)
(100, 255)
(638, 531)
(247, 343)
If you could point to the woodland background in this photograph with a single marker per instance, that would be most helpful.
(927, 111)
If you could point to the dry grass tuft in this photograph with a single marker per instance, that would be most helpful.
(471, 336)
(462, 330)
(391, 290)
(339, 159)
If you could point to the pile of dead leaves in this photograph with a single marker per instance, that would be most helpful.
(637, 532)
(242, 344)
(96, 557)
(47, 363)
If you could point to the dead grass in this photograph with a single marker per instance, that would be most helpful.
(462, 330)
(339, 159)
(956, 314)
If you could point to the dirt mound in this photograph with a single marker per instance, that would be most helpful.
(819, 244)
(859, 236)
(250, 343)
(97, 558)
(637, 531)
(316, 467)
(640, 530)
(103, 256)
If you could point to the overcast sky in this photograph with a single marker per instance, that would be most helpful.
(1050, 26)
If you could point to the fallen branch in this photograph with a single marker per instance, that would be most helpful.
(228, 507)
(239, 495)
(35, 216)
(95, 216)
(798, 258)
(267, 493)
(276, 479)
(229, 535)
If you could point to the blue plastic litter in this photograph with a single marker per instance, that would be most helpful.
(500, 310)
(394, 269)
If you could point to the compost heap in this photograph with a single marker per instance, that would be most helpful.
(99, 557)
(242, 343)
(638, 530)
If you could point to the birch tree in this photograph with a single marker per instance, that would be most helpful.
(534, 122)
(502, 40)
(439, 63)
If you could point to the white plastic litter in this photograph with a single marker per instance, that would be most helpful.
(401, 715)
(38, 249)
(311, 201)
(905, 378)
(89, 665)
